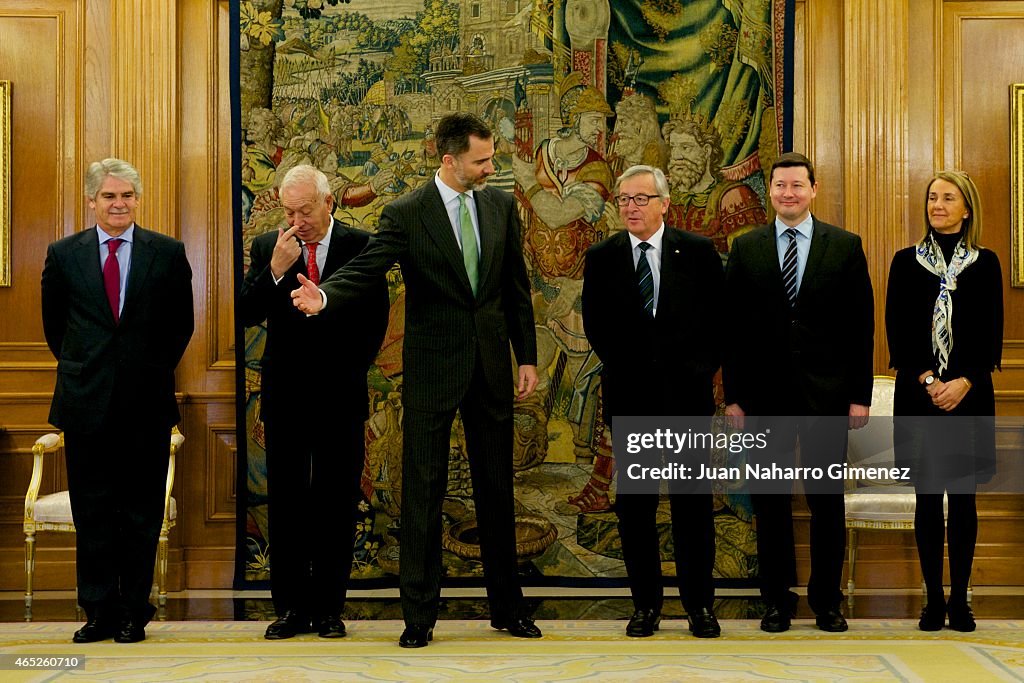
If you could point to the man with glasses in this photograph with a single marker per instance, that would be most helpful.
(657, 334)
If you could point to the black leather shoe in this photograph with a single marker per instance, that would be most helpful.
(523, 627)
(331, 627)
(961, 618)
(643, 623)
(130, 631)
(831, 620)
(933, 617)
(291, 624)
(775, 620)
(416, 635)
(94, 630)
(703, 623)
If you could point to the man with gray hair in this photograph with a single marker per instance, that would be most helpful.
(313, 470)
(117, 315)
(648, 318)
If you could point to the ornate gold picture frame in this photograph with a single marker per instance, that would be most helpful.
(1016, 182)
(5, 183)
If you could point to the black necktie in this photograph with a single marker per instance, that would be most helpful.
(645, 279)
(789, 267)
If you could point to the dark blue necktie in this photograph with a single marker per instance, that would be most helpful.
(789, 267)
(645, 279)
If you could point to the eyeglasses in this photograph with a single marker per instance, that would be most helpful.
(638, 199)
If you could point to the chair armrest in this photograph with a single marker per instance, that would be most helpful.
(177, 439)
(47, 443)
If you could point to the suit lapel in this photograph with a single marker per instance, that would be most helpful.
(671, 271)
(87, 256)
(438, 225)
(487, 216)
(138, 270)
(819, 245)
(625, 271)
(769, 255)
(339, 237)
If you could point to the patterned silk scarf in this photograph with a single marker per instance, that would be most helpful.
(929, 255)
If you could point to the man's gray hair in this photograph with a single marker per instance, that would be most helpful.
(117, 168)
(660, 181)
(304, 174)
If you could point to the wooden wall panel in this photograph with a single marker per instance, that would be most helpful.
(40, 56)
(149, 82)
(877, 109)
(982, 56)
(207, 533)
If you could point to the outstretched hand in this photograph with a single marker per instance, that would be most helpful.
(307, 297)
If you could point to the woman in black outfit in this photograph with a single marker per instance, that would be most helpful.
(944, 323)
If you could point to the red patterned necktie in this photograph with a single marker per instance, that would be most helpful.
(112, 277)
(311, 267)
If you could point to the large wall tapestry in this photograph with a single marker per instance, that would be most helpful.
(575, 92)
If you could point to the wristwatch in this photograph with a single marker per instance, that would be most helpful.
(929, 380)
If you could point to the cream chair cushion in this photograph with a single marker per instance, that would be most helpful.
(56, 508)
(878, 500)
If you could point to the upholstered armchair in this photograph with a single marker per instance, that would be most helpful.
(876, 504)
(52, 512)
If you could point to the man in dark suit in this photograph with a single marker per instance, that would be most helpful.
(467, 297)
(660, 346)
(800, 292)
(117, 315)
(311, 364)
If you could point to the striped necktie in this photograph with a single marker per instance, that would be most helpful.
(645, 279)
(789, 267)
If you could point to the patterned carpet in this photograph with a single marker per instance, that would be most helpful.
(873, 650)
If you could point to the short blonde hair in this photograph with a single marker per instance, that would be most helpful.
(972, 200)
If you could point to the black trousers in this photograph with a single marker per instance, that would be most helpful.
(116, 481)
(313, 485)
(822, 442)
(693, 539)
(424, 483)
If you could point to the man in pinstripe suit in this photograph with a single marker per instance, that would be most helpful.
(467, 297)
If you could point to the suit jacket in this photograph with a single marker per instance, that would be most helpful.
(320, 358)
(132, 361)
(811, 359)
(447, 329)
(977, 350)
(664, 365)
(977, 331)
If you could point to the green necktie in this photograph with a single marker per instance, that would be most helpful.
(469, 255)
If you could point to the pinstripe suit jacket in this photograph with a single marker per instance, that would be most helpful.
(446, 328)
